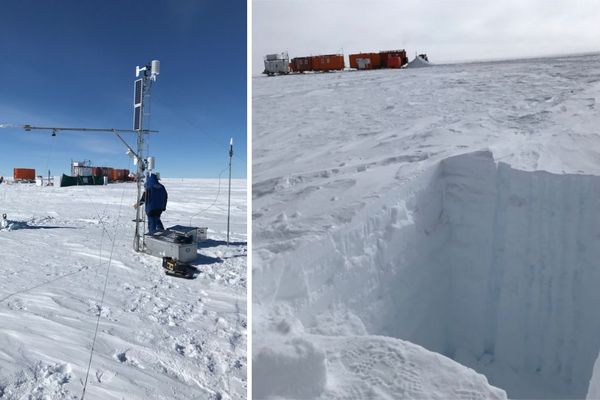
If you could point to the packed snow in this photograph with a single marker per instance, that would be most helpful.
(159, 337)
(455, 207)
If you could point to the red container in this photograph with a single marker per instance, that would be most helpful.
(117, 175)
(301, 64)
(394, 62)
(328, 62)
(24, 174)
(97, 171)
(374, 58)
(386, 55)
(108, 172)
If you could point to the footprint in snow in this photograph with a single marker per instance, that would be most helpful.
(124, 358)
(104, 376)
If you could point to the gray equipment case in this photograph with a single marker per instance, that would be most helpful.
(174, 244)
(197, 234)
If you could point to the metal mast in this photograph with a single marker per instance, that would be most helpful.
(229, 200)
(141, 92)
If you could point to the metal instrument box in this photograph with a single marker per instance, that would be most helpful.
(171, 244)
(197, 234)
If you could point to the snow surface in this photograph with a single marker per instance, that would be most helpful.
(159, 337)
(454, 207)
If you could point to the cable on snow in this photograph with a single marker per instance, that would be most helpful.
(102, 298)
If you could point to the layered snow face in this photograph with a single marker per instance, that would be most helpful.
(522, 288)
(510, 281)
(491, 266)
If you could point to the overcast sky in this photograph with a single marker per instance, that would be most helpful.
(448, 31)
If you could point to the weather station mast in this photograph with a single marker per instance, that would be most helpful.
(141, 100)
(142, 88)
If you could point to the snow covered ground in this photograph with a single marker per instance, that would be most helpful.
(455, 207)
(159, 337)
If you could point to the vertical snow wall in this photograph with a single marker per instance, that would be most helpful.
(494, 267)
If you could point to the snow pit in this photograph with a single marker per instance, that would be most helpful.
(491, 266)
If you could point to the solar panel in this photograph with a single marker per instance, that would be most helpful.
(137, 118)
(138, 96)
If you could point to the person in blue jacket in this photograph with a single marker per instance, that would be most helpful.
(155, 200)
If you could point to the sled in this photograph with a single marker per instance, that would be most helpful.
(177, 268)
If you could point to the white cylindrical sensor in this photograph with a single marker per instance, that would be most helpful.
(155, 67)
(150, 163)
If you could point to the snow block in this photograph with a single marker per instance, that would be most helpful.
(294, 368)
(593, 392)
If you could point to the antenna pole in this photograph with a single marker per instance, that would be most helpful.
(150, 72)
(229, 200)
(138, 244)
(138, 241)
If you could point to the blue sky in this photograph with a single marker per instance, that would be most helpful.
(72, 63)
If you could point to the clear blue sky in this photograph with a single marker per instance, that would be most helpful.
(72, 63)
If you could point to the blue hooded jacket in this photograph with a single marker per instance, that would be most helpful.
(155, 195)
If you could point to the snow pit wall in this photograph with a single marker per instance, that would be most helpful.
(494, 267)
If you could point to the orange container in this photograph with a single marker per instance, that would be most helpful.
(374, 58)
(108, 172)
(119, 175)
(394, 62)
(301, 64)
(97, 171)
(386, 55)
(24, 174)
(116, 175)
(328, 62)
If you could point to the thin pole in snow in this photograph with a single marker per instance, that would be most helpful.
(229, 200)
